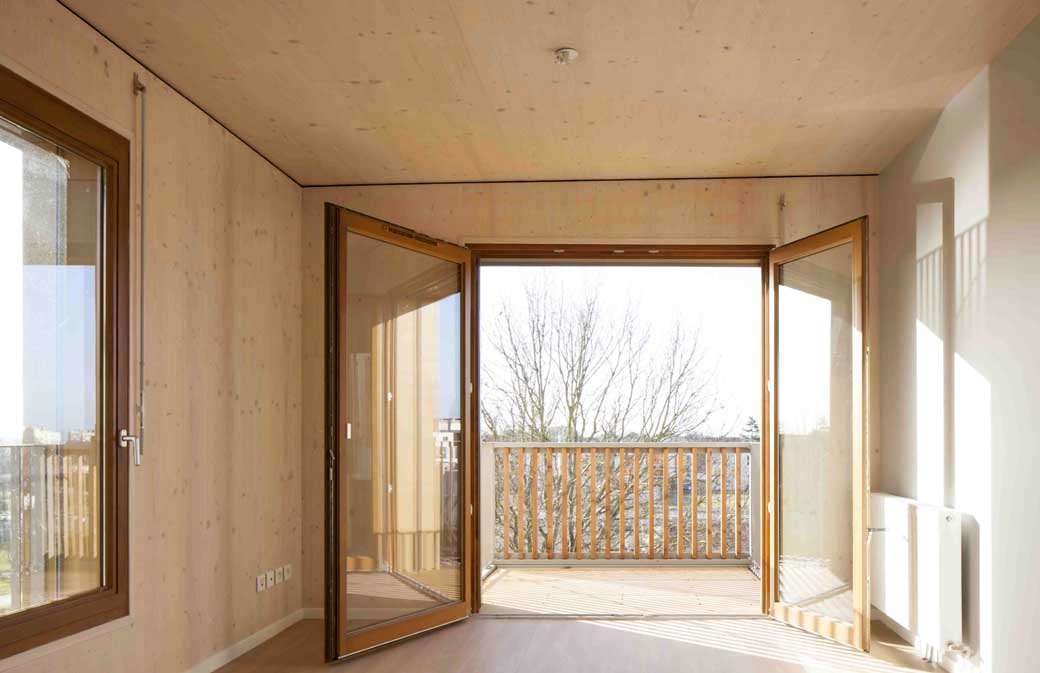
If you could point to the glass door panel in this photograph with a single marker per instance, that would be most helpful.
(400, 408)
(819, 480)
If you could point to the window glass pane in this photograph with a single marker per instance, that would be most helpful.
(50, 454)
(815, 421)
(402, 373)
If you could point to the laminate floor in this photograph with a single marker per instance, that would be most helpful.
(536, 645)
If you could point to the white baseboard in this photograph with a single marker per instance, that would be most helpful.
(227, 655)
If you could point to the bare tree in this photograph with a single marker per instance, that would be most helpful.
(561, 366)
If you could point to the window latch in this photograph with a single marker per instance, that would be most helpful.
(126, 440)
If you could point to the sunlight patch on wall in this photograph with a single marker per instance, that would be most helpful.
(929, 354)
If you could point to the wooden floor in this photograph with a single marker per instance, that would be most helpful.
(630, 591)
(494, 645)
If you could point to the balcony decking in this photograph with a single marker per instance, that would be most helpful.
(619, 529)
(622, 591)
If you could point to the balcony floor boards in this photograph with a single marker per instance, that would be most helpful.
(635, 591)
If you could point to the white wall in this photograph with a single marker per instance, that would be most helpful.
(962, 343)
(218, 497)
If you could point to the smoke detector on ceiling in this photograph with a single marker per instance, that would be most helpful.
(565, 55)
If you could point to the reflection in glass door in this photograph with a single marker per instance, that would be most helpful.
(400, 412)
(819, 488)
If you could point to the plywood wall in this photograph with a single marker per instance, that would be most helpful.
(658, 211)
(218, 498)
(636, 211)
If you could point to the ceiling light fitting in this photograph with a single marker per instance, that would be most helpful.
(565, 55)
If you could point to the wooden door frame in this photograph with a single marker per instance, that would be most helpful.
(858, 635)
(615, 255)
(338, 222)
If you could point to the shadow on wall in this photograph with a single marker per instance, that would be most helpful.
(960, 374)
(951, 402)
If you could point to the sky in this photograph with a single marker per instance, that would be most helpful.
(48, 340)
(724, 302)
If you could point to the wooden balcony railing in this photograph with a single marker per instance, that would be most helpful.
(574, 501)
(49, 497)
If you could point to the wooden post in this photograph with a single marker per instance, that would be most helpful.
(694, 510)
(550, 486)
(666, 507)
(593, 506)
(579, 514)
(533, 486)
(506, 527)
(709, 493)
(736, 505)
(637, 477)
(565, 504)
(621, 502)
(723, 477)
(520, 504)
(651, 478)
(680, 496)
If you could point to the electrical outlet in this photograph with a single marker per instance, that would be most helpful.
(279, 575)
(287, 571)
(270, 578)
(261, 582)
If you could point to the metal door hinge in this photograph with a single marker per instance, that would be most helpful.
(126, 440)
(348, 430)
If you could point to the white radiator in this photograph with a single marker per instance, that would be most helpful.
(915, 570)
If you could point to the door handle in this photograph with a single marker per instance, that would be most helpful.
(871, 531)
(126, 440)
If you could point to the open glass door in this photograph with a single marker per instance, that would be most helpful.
(398, 507)
(817, 449)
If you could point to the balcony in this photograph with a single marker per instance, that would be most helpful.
(620, 528)
(50, 539)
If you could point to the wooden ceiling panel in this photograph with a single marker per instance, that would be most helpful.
(348, 92)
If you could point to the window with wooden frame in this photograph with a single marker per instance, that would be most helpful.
(64, 269)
